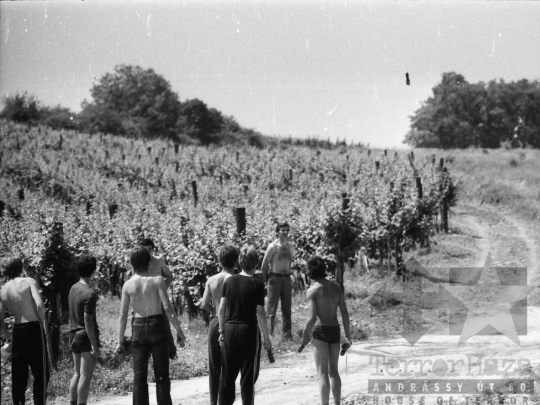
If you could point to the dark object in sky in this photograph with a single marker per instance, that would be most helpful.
(407, 77)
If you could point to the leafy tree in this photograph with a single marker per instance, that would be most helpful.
(132, 101)
(58, 118)
(21, 107)
(200, 122)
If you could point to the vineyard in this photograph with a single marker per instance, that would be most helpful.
(66, 193)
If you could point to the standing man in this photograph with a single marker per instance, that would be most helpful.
(325, 297)
(21, 297)
(228, 256)
(158, 267)
(276, 269)
(147, 296)
(241, 306)
(83, 331)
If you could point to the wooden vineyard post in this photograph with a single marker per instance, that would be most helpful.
(290, 174)
(156, 160)
(412, 155)
(112, 210)
(220, 179)
(237, 156)
(441, 163)
(240, 216)
(377, 164)
(345, 201)
(419, 187)
(88, 207)
(369, 152)
(385, 153)
(20, 194)
(149, 149)
(176, 147)
(2, 208)
(245, 188)
(195, 196)
(176, 166)
(123, 157)
(444, 207)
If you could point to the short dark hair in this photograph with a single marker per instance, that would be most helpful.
(249, 258)
(86, 265)
(316, 267)
(281, 225)
(147, 243)
(139, 258)
(13, 267)
(228, 256)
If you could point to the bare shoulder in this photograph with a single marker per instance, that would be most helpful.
(336, 289)
(31, 281)
(313, 291)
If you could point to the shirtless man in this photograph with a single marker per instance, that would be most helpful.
(20, 296)
(158, 267)
(147, 295)
(276, 269)
(325, 297)
(228, 256)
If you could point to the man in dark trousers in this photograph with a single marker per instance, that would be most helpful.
(242, 304)
(20, 296)
(276, 269)
(228, 256)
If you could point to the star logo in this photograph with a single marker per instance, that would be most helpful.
(496, 299)
(478, 301)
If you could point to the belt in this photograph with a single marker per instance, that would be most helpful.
(280, 275)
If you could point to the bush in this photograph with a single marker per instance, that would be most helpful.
(21, 107)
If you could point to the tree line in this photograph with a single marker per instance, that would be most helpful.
(460, 114)
(134, 102)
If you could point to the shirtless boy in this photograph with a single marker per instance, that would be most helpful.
(228, 256)
(147, 295)
(158, 267)
(276, 269)
(325, 297)
(83, 331)
(20, 296)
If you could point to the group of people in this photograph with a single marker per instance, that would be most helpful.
(237, 330)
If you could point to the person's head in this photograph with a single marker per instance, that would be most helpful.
(249, 258)
(316, 268)
(13, 267)
(228, 256)
(148, 244)
(86, 266)
(140, 258)
(283, 229)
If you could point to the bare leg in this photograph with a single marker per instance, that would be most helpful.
(88, 364)
(321, 353)
(75, 379)
(335, 380)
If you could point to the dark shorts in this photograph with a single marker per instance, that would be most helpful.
(79, 342)
(327, 333)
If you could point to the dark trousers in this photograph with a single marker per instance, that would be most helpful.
(149, 338)
(239, 355)
(168, 334)
(214, 359)
(29, 350)
(279, 288)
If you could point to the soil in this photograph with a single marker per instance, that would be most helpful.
(484, 229)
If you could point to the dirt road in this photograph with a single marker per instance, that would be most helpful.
(510, 241)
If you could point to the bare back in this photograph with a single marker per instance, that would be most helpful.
(17, 296)
(155, 265)
(327, 296)
(215, 284)
(144, 296)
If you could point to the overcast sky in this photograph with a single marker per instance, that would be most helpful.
(332, 70)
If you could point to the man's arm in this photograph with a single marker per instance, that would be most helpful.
(124, 308)
(266, 262)
(91, 331)
(344, 315)
(3, 328)
(42, 315)
(263, 325)
(169, 310)
(206, 301)
(311, 320)
(221, 316)
(166, 273)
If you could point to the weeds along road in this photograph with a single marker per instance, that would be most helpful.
(476, 231)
